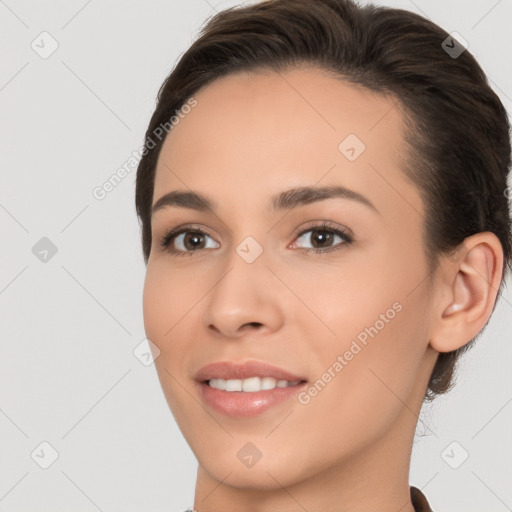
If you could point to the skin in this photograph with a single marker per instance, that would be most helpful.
(250, 137)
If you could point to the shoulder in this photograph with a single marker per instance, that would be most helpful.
(419, 501)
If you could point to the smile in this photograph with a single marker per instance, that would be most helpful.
(250, 385)
(248, 389)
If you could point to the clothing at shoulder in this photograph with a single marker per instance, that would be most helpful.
(419, 501)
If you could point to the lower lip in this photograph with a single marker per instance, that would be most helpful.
(242, 404)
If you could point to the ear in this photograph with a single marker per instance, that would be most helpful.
(469, 283)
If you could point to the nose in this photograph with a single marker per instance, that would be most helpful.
(246, 298)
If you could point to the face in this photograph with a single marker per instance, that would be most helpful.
(329, 287)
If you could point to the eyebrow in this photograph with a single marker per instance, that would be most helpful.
(293, 198)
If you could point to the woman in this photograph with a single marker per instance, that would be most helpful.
(326, 230)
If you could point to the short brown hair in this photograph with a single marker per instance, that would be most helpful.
(458, 130)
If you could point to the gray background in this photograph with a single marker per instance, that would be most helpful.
(70, 324)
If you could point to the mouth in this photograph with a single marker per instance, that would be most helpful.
(248, 389)
(227, 370)
(251, 384)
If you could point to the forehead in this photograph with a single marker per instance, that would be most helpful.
(255, 133)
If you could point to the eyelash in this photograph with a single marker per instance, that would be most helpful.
(323, 227)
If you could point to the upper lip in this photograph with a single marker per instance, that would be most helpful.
(227, 370)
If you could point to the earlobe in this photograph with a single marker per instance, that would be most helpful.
(471, 283)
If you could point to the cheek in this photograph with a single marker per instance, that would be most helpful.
(156, 308)
(355, 400)
(167, 300)
(377, 322)
(168, 297)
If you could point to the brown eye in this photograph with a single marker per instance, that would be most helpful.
(323, 238)
(186, 241)
(193, 240)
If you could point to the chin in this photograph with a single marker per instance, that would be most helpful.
(230, 462)
(260, 477)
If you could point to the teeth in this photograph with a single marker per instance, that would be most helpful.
(268, 383)
(233, 385)
(251, 384)
(217, 384)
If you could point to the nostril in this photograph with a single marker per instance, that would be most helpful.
(254, 324)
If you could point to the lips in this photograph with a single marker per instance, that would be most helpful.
(247, 403)
(227, 371)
